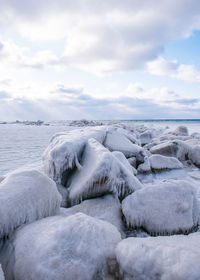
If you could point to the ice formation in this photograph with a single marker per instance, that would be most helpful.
(101, 173)
(65, 151)
(116, 141)
(164, 257)
(194, 155)
(159, 162)
(182, 130)
(107, 208)
(145, 137)
(174, 148)
(1, 274)
(164, 208)
(74, 247)
(144, 167)
(26, 196)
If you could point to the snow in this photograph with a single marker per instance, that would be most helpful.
(164, 208)
(167, 258)
(159, 162)
(1, 274)
(26, 196)
(107, 208)
(74, 247)
(65, 150)
(101, 173)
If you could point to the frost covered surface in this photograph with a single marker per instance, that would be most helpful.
(107, 208)
(116, 141)
(101, 173)
(26, 196)
(155, 258)
(194, 155)
(166, 208)
(159, 162)
(65, 151)
(1, 274)
(74, 247)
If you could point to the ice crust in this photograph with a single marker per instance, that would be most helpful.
(164, 208)
(65, 150)
(160, 258)
(101, 173)
(159, 162)
(65, 248)
(107, 208)
(26, 196)
(194, 155)
(1, 274)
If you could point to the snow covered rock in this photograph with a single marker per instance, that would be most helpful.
(26, 196)
(182, 130)
(116, 141)
(194, 155)
(144, 167)
(107, 208)
(101, 173)
(178, 149)
(65, 151)
(167, 207)
(164, 257)
(159, 162)
(65, 248)
(121, 157)
(1, 274)
(145, 137)
(64, 194)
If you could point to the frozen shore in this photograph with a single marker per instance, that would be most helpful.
(118, 200)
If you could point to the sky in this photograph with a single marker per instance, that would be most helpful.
(91, 59)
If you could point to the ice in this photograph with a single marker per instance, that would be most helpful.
(167, 207)
(74, 247)
(116, 141)
(121, 157)
(1, 274)
(194, 155)
(107, 208)
(65, 150)
(26, 196)
(101, 173)
(182, 130)
(159, 162)
(160, 258)
(176, 148)
(144, 167)
(145, 137)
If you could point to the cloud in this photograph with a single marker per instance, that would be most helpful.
(75, 103)
(183, 72)
(104, 36)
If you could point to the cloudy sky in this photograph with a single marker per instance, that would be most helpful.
(99, 59)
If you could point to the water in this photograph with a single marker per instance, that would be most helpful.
(24, 144)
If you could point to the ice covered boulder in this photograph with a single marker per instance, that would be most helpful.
(167, 207)
(107, 208)
(178, 149)
(159, 162)
(194, 155)
(101, 173)
(26, 196)
(165, 257)
(1, 274)
(121, 157)
(65, 151)
(182, 130)
(145, 137)
(116, 141)
(144, 167)
(65, 248)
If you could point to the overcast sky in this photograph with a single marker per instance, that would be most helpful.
(99, 59)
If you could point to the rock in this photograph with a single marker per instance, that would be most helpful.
(167, 207)
(61, 248)
(167, 257)
(158, 163)
(182, 130)
(145, 137)
(194, 155)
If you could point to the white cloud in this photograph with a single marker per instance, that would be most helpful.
(183, 72)
(105, 36)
